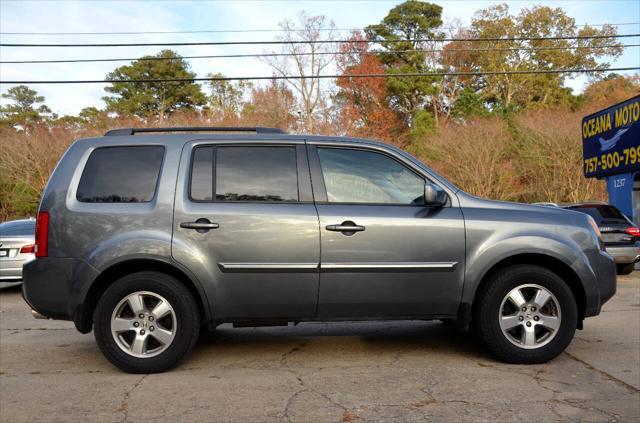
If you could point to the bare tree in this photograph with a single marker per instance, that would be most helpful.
(305, 61)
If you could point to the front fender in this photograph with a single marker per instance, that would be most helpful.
(486, 257)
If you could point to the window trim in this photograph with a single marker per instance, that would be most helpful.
(155, 189)
(303, 191)
(319, 187)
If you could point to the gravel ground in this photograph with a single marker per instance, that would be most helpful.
(339, 372)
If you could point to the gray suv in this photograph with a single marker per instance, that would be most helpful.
(148, 235)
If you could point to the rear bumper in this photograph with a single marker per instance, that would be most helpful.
(625, 254)
(53, 286)
(11, 270)
(47, 286)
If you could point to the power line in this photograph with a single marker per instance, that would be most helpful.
(290, 77)
(258, 55)
(281, 42)
(224, 31)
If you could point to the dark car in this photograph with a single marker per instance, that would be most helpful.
(620, 235)
(145, 235)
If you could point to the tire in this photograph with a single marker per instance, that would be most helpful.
(625, 269)
(515, 345)
(177, 323)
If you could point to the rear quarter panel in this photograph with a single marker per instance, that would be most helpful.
(102, 234)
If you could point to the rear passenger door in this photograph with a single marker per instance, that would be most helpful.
(245, 222)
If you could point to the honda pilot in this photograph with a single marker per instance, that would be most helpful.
(145, 236)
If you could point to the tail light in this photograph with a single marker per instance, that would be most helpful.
(633, 230)
(42, 234)
(28, 249)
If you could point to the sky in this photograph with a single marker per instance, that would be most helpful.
(127, 16)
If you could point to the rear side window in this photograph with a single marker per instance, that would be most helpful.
(202, 174)
(244, 174)
(121, 175)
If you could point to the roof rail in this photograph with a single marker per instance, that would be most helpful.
(257, 130)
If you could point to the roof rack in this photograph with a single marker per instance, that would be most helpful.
(257, 130)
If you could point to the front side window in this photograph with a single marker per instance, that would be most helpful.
(356, 176)
(121, 175)
(244, 174)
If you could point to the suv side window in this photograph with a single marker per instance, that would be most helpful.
(244, 174)
(121, 175)
(357, 176)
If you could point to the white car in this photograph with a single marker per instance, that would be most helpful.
(16, 249)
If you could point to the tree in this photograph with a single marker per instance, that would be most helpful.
(363, 108)
(534, 52)
(304, 61)
(26, 107)
(227, 97)
(89, 114)
(469, 104)
(271, 106)
(612, 89)
(406, 30)
(157, 99)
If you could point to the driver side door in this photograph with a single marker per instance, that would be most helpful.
(384, 253)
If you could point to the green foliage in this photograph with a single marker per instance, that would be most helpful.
(525, 90)
(227, 97)
(423, 124)
(156, 99)
(469, 104)
(26, 107)
(22, 197)
(89, 114)
(397, 34)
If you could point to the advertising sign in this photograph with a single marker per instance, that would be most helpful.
(611, 140)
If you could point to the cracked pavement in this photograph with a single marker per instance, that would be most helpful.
(316, 372)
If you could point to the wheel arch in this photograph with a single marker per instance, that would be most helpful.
(560, 268)
(83, 315)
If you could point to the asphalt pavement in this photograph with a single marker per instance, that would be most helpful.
(316, 372)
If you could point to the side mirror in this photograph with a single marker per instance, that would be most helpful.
(434, 195)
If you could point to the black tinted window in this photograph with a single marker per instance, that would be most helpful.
(355, 176)
(202, 174)
(121, 175)
(256, 174)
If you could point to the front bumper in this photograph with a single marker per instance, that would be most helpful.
(604, 269)
(625, 254)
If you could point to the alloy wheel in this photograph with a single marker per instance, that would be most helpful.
(530, 316)
(143, 324)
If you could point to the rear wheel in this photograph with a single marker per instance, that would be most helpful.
(146, 322)
(526, 314)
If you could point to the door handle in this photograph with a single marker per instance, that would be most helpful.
(347, 228)
(200, 225)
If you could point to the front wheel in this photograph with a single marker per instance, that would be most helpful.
(526, 314)
(146, 322)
